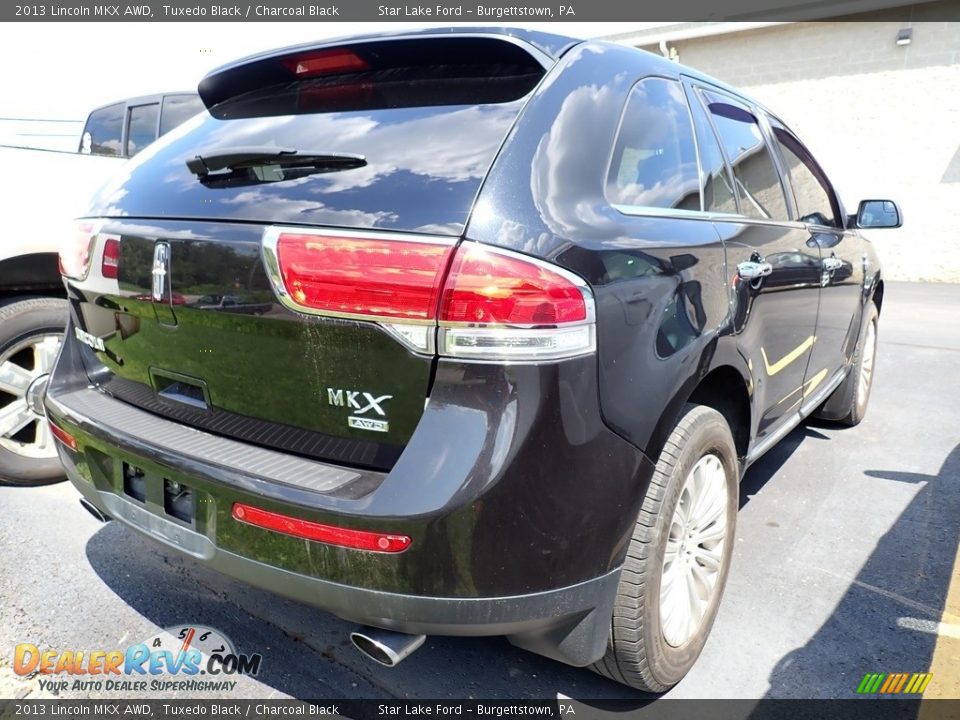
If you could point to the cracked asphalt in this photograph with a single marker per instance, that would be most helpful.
(844, 564)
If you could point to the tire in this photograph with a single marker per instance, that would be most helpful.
(30, 335)
(848, 403)
(643, 651)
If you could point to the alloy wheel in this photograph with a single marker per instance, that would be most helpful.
(24, 370)
(866, 361)
(694, 553)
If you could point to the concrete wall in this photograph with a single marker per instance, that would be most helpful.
(882, 119)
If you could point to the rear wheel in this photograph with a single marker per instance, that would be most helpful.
(678, 558)
(31, 332)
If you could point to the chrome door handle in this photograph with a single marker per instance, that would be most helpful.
(754, 270)
(831, 263)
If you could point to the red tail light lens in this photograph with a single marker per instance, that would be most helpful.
(389, 278)
(491, 288)
(498, 305)
(110, 264)
(489, 303)
(330, 534)
(325, 62)
(76, 250)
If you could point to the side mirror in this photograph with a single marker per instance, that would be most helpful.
(879, 214)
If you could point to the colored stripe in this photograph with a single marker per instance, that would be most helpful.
(891, 680)
(788, 358)
(926, 681)
(862, 687)
(903, 679)
(876, 683)
(914, 681)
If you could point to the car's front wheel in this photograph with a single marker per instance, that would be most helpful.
(848, 403)
(678, 558)
(31, 332)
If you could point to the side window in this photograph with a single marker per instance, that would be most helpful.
(177, 109)
(654, 159)
(814, 198)
(756, 177)
(103, 131)
(141, 127)
(718, 195)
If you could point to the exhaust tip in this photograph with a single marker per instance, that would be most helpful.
(95, 511)
(385, 646)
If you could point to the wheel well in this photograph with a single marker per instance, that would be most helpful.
(34, 273)
(878, 296)
(725, 390)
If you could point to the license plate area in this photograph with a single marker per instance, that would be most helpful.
(167, 497)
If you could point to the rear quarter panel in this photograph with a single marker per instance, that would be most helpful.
(660, 280)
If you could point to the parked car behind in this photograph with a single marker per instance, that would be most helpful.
(51, 188)
(536, 305)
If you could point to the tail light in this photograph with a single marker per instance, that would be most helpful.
(500, 305)
(481, 302)
(110, 264)
(77, 249)
(363, 276)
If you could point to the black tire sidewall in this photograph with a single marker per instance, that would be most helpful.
(20, 320)
(711, 434)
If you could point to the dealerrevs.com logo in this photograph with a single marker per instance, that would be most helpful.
(186, 658)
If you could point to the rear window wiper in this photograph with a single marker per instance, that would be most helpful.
(268, 162)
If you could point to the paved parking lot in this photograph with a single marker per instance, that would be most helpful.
(844, 561)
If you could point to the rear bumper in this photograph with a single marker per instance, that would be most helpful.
(568, 624)
(520, 509)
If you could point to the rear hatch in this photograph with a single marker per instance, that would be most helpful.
(357, 166)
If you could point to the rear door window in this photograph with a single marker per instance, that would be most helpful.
(104, 131)
(815, 200)
(141, 127)
(177, 109)
(717, 187)
(654, 161)
(755, 174)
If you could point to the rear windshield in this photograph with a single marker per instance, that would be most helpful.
(427, 135)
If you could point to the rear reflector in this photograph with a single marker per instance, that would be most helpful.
(63, 436)
(111, 258)
(329, 534)
(76, 250)
(325, 62)
(346, 275)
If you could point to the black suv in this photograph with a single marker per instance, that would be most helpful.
(530, 308)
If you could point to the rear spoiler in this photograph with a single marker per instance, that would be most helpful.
(521, 51)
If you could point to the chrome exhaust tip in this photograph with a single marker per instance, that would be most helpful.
(93, 510)
(385, 646)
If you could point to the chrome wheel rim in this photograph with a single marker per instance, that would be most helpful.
(23, 368)
(866, 362)
(694, 554)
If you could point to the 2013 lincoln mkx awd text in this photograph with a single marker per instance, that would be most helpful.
(499, 320)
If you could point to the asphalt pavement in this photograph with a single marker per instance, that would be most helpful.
(845, 554)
